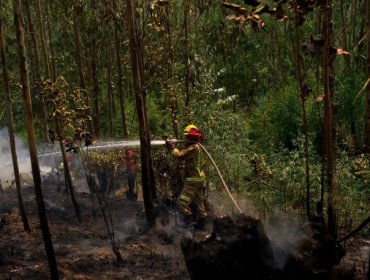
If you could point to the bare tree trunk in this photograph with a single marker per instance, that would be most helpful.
(36, 61)
(119, 78)
(67, 171)
(94, 79)
(32, 141)
(96, 92)
(367, 121)
(9, 112)
(304, 95)
(42, 38)
(344, 33)
(137, 72)
(329, 119)
(172, 93)
(52, 56)
(76, 31)
(187, 70)
(110, 89)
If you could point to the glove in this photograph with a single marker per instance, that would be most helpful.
(170, 145)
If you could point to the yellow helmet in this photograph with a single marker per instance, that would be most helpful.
(187, 129)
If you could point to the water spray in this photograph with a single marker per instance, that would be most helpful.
(217, 170)
(134, 143)
(121, 144)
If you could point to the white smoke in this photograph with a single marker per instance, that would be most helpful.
(6, 163)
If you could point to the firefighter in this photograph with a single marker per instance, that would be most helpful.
(193, 188)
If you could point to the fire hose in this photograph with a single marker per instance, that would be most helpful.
(217, 170)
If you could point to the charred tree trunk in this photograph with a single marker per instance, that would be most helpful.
(36, 61)
(32, 141)
(329, 120)
(137, 72)
(367, 121)
(9, 112)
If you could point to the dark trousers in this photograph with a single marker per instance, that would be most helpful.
(131, 181)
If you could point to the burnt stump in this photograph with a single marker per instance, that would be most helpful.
(238, 248)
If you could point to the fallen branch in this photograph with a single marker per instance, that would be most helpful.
(360, 227)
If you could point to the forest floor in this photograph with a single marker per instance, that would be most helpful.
(83, 249)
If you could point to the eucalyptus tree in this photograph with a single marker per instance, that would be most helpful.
(110, 90)
(137, 65)
(186, 5)
(45, 50)
(78, 24)
(94, 67)
(329, 118)
(9, 113)
(37, 68)
(367, 118)
(118, 63)
(51, 45)
(28, 114)
(304, 94)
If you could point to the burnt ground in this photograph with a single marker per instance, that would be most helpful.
(83, 249)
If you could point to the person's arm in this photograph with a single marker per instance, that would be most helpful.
(185, 153)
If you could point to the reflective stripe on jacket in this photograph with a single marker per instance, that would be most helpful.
(193, 157)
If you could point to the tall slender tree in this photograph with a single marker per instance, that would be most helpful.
(32, 140)
(94, 73)
(344, 31)
(170, 76)
(51, 46)
(77, 23)
(186, 61)
(36, 62)
(110, 90)
(136, 54)
(45, 51)
(329, 119)
(66, 168)
(367, 119)
(117, 41)
(304, 93)
(9, 112)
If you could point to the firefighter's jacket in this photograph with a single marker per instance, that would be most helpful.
(193, 157)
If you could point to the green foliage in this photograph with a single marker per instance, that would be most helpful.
(353, 195)
(243, 92)
(277, 119)
(351, 111)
